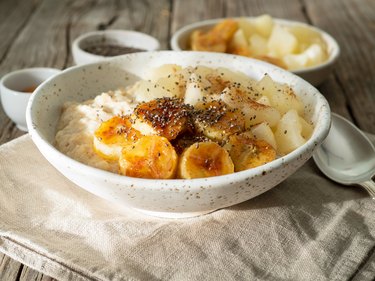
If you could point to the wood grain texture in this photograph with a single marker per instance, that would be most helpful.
(9, 268)
(29, 274)
(14, 15)
(352, 23)
(133, 15)
(38, 43)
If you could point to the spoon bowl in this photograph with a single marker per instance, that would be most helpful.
(347, 156)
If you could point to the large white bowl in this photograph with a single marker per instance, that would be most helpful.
(314, 74)
(167, 198)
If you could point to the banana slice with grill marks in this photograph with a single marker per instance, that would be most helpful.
(112, 135)
(167, 117)
(204, 159)
(151, 157)
(247, 152)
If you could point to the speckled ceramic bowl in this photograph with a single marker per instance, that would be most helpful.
(315, 75)
(166, 198)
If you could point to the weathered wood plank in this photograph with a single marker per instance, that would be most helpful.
(276, 8)
(352, 24)
(29, 274)
(9, 268)
(186, 12)
(133, 15)
(337, 101)
(8, 129)
(40, 44)
(14, 15)
(148, 16)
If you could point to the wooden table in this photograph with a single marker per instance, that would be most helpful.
(40, 33)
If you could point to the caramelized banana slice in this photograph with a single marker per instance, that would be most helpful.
(216, 39)
(208, 42)
(247, 152)
(151, 157)
(166, 117)
(217, 121)
(204, 159)
(112, 135)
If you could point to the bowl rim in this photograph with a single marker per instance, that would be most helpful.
(154, 43)
(331, 42)
(318, 135)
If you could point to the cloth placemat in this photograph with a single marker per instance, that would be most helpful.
(306, 228)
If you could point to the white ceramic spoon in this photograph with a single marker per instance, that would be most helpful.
(347, 156)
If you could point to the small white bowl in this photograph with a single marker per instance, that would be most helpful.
(16, 88)
(176, 197)
(120, 38)
(315, 75)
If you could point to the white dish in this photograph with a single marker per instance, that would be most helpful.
(14, 99)
(166, 198)
(314, 75)
(122, 38)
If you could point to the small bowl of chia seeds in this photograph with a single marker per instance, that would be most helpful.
(98, 45)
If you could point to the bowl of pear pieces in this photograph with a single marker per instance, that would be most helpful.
(301, 48)
(177, 134)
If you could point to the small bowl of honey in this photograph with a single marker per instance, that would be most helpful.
(99, 45)
(16, 89)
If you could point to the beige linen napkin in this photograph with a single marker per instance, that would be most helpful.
(307, 228)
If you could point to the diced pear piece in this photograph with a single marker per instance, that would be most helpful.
(162, 71)
(258, 45)
(201, 71)
(296, 61)
(264, 25)
(307, 36)
(282, 42)
(313, 55)
(281, 96)
(264, 100)
(238, 44)
(288, 133)
(263, 131)
(230, 75)
(307, 129)
(240, 81)
(247, 26)
(145, 91)
(175, 84)
(254, 112)
(194, 92)
(238, 40)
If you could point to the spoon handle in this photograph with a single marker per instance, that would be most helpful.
(370, 187)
